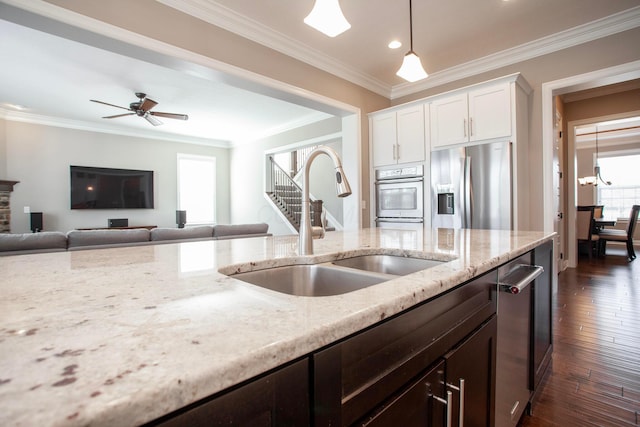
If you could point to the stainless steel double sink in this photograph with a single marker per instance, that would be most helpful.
(335, 277)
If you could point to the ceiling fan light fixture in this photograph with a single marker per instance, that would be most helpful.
(412, 69)
(326, 17)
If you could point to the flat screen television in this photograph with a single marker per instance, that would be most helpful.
(106, 188)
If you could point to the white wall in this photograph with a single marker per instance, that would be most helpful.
(39, 157)
(247, 174)
(3, 150)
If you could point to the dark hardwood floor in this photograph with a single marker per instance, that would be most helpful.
(594, 377)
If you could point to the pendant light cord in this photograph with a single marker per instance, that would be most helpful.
(410, 27)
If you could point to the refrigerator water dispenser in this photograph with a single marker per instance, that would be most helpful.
(445, 204)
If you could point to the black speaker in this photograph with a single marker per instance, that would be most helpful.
(118, 222)
(181, 218)
(36, 222)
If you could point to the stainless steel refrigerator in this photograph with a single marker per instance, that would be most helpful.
(471, 187)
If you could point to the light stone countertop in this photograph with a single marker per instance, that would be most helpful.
(122, 336)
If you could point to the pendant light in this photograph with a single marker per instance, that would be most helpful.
(411, 69)
(593, 180)
(326, 17)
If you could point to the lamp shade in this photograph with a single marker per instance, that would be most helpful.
(411, 69)
(326, 17)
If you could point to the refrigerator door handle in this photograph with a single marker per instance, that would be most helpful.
(468, 194)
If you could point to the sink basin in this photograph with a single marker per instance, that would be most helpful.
(311, 280)
(388, 264)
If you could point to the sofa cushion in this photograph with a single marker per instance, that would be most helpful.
(106, 237)
(33, 241)
(222, 230)
(200, 232)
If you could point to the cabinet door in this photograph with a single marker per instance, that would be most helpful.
(490, 112)
(383, 137)
(542, 315)
(410, 134)
(474, 361)
(449, 121)
(278, 399)
(416, 406)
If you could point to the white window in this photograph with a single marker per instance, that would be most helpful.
(624, 190)
(197, 188)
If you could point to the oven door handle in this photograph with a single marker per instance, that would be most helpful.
(400, 220)
(399, 181)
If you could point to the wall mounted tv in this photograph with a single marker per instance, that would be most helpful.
(106, 188)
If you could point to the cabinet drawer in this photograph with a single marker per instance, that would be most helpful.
(353, 377)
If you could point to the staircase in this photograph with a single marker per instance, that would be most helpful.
(286, 195)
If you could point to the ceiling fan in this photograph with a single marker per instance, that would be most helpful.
(141, 109)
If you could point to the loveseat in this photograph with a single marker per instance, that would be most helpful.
(56, 241)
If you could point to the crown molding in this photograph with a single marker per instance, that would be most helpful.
(223, 17)
(20, 116)
(227, 19)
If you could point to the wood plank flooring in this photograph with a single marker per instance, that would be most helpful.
(594, 377)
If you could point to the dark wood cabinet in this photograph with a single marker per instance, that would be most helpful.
(473, 364)
(417, 406)
(466, 372)
(541, 336)
(356, 380)
(280, 399)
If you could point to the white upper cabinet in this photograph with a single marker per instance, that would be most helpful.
(398, 136)
(490, 112)
(477, 115)
(449, 120)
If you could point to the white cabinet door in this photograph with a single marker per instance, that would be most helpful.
(383, 137)
(449, 118)
(410, 134)
(490, 112)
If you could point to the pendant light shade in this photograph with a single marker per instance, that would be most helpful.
(411, 69)
(326, 17)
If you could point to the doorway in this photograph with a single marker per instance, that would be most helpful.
(550, 90)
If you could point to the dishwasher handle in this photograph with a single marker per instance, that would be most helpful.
(519, 278)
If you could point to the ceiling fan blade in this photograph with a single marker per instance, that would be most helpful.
(106, 103)
(119, 115)
(170, 115)
(152, 119)
(147, 104)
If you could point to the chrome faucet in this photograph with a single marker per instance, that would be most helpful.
(305, 244)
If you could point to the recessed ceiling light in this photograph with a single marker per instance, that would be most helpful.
(394, 44)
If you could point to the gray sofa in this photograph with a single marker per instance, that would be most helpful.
(55, 241)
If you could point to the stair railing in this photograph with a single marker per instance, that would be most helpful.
(286, 194)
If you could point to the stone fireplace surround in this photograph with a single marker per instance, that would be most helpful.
(6, 187)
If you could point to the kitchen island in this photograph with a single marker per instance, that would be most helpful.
(123, 336)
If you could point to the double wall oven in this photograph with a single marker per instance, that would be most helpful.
(399, 196)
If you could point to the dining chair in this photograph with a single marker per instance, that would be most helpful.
(584, 229)
(598, 211)
(625, 236)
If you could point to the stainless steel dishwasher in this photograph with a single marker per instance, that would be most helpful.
(513, 385)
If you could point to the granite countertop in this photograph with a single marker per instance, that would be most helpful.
(122, 336)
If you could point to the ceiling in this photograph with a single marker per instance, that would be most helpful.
(54, 78)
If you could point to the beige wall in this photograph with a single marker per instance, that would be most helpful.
(154, 20)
